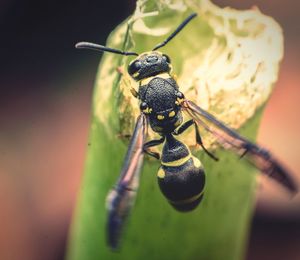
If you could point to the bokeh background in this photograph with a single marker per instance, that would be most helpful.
(46, 87)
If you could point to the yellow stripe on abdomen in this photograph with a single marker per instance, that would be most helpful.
(178, 162)
(188, 200)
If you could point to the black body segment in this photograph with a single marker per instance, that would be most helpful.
(181, 176)
(159, 93)
(160, 96)
(149, 64)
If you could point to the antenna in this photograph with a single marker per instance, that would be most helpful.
(97, 47)
(179, 28)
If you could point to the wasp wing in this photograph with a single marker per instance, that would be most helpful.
(121, 199)
(229, 139)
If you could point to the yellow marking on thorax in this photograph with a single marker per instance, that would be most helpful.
(160, 117)
(174, 76)
(178, 162)
(147, 110)
(164, 75)
(172, 113)
(177, 123)
(179, 101)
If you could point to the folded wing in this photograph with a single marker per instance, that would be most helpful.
(229, 139)
(121, 199)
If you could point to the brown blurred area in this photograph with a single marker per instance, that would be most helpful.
(46, 88)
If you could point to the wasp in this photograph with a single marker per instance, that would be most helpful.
(181, 176)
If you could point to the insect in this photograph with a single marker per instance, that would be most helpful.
(181, 176)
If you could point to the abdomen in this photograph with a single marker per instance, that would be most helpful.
(182, 182)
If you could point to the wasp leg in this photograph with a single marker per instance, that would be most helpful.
(199, 141)
(152, 143)
(244, 153)
(185, 126)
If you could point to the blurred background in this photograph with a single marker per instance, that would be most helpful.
(46, 87)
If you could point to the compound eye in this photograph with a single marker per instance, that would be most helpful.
(179, 98)
(143, 106)
(134, 67)
(179, 95)
(167, 58)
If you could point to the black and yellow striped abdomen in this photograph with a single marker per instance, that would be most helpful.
(181, 176)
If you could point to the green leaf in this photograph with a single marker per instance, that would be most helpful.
(226, 61)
